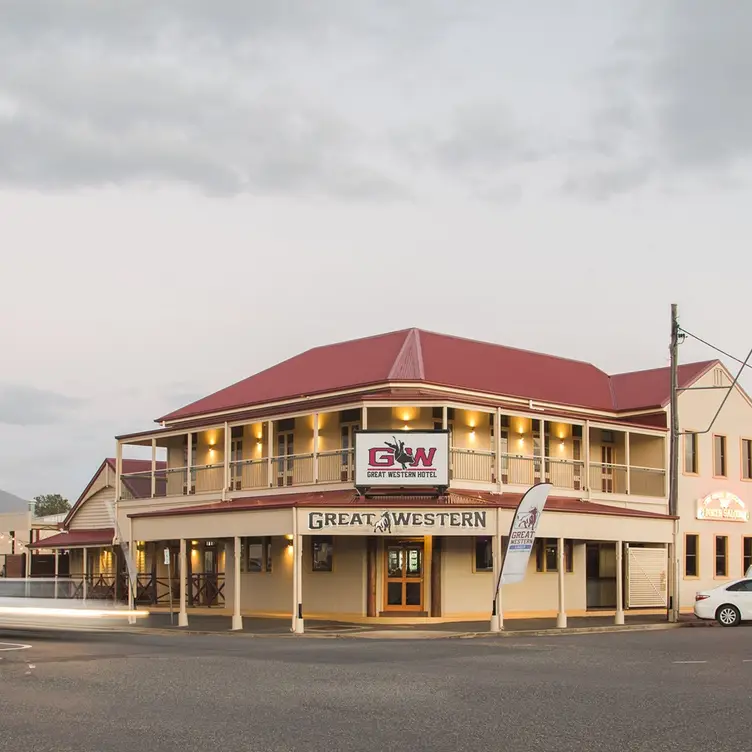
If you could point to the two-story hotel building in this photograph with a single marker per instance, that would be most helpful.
(252, 489)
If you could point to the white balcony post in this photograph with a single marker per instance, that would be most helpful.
(237, 619)
(228, 449)
(189, 463)
(364, 418)
(315, 447)
(132, 586)
(444, 418)
(619, 616)
(543, 451)
(298, 551)
(153, 468)
(269, 450)
(85, 567)
(587, 457)
(497, 447)
(497, 617)
(627, 460)
(57, 568)
(561, 616)
(183, 613)
(118, 470)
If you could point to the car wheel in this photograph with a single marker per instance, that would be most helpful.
(728, 616)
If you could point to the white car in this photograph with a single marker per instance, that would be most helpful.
(729, 604)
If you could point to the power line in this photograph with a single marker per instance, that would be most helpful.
(713, 347)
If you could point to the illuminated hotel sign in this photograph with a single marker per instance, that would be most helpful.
(722, 506)
(402, 458)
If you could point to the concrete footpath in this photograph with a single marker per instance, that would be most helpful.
(268, 627)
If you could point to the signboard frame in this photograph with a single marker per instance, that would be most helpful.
(439, 484)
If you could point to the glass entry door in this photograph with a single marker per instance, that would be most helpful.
(404, 576)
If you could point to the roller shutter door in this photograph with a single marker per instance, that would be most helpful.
(647, 577)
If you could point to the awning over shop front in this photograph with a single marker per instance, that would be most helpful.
(313, 512)
(77, 539)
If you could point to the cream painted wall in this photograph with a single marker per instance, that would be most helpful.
(471, 429)
(469, 592)
(647, 451)
(696, 410)
(341, 591)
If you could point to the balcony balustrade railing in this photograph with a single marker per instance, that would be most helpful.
(647, 481)
(472, 466)
(247, 475)
(338, 466)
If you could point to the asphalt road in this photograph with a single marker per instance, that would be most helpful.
(625, 691)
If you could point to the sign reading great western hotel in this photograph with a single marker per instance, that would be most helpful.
(398, 521)
(402, 458)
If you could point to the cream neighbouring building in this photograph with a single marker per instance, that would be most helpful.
(259, 481)
(715, 483)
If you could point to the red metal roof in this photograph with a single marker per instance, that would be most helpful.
(77, 538)
(644, 389)
(346, 498)
(413, 355)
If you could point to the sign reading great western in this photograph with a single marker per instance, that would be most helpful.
(405, 458)
(398, 521)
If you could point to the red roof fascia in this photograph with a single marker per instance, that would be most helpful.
(77, 538)
(347, 498)
(413, 396)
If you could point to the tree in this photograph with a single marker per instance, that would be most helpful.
(49, 504)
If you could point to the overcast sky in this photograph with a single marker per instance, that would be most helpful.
(193, 191)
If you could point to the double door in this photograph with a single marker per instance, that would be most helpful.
(404, 581)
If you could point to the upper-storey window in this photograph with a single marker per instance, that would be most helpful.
(285, 452)
(719, 456)
(691, 460)
(747, 459)
(236, 457)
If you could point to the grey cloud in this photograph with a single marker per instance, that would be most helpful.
(138, 92)
(27, 406)
(671, 104)
(701, 77)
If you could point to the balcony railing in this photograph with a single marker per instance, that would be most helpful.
(647, 481)
(338, 466)
(472, 465)
(247, 475)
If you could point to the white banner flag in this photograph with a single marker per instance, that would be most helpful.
(522, 534)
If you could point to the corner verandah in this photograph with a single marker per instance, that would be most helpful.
(326, 551)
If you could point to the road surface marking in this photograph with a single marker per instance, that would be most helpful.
(690, 661)
(7, 646)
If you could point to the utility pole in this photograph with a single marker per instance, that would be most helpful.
(673, 493)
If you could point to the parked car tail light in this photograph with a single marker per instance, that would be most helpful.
(701, 597)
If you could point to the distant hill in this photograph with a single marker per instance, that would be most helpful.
(11, 503)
